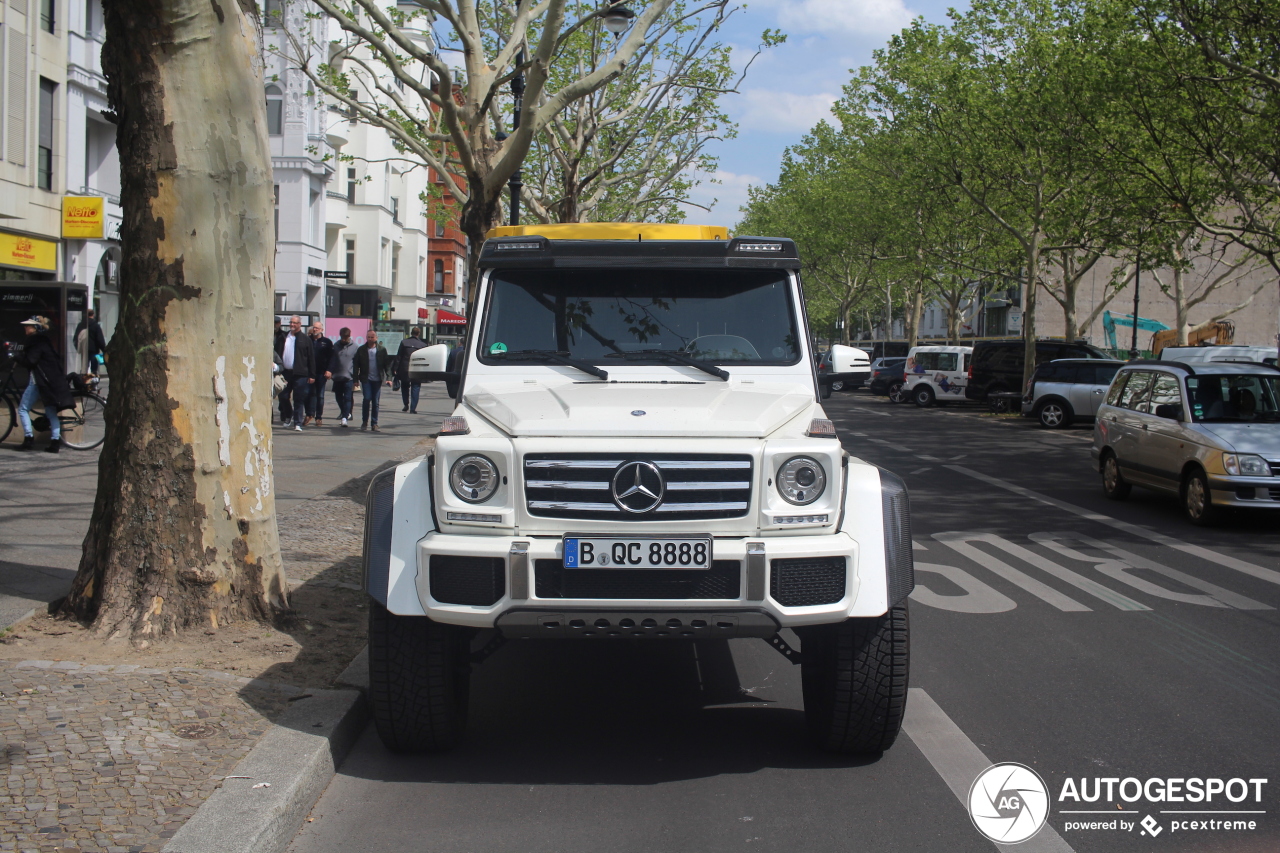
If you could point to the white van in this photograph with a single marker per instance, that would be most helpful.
(936, 374)
(1225, 353)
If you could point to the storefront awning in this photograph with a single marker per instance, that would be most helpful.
(448, 318)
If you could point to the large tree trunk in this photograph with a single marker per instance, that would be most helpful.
(481, 212)
(183, 531)
(1029, 306)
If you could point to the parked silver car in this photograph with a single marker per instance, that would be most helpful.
(1209, 433)
(1067, 390)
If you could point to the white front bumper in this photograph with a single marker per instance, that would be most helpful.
(521, 553)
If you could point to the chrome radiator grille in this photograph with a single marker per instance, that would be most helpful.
(582, 485)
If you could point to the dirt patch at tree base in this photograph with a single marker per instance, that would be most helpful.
(309, 647)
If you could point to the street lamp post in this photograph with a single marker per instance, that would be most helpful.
(617, 18)
(1137, 281)
(517, 96)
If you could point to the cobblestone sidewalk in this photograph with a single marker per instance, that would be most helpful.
(116, 758)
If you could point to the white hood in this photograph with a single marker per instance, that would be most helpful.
(726, 409)
(1261, 438)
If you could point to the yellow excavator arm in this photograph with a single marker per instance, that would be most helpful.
(1220, 333)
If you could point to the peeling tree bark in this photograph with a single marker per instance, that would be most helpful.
(183, 530)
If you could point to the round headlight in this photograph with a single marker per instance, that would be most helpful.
(801, 480)
(474, 478)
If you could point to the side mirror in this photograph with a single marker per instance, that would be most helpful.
(1172, 411)
(428, 364)
(850, 361)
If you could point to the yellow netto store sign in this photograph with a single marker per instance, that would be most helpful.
(84, 217)
(30, 252)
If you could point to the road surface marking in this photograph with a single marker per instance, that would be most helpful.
(1126, 560)
(959, 761)
(960, 543)
(978, 597)
(1269, 575)
(920, 471)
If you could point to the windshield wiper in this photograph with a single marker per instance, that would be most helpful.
(705, 367)
(557, 356)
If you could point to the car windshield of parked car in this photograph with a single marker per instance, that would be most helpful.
(1229, 399)
(610, 315)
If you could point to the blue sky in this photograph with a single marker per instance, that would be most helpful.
(790, 88)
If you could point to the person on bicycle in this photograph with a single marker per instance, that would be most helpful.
(45, 382)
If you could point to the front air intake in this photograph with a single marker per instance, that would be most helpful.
(806, 582)
(478, 581)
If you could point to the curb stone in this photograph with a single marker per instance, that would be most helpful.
(296, 758)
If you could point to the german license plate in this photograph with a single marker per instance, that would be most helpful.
(637, 552)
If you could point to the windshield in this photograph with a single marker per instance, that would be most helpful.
(1226, 399)
(607, 316)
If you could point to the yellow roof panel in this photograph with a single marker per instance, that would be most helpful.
(613, 231)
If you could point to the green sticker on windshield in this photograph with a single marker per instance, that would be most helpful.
(497, 348)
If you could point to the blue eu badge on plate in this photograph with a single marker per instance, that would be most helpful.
(571, 553)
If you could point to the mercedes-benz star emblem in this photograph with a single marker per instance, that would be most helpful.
(638, 486)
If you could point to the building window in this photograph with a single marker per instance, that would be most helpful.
(395, 210)
(282, 302)
(273, 15)
(351, 259)
(277, 202)
(351, 185)
(439, 227)
(437, 283)
(47, 8)
(44, 165)
(275, 111)
(395, 266)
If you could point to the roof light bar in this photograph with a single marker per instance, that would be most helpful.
(742, 246)
(534, 246)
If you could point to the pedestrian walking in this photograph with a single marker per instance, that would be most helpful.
(371, 367)
(299, 373)
(46, 382)
(90, 342)
(323, 349)
(409, 391)
(344, 353)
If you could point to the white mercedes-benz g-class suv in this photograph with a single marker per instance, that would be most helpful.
(638, 453)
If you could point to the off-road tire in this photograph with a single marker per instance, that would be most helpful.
(1197, 500)
(1114, 485)
(897, 392)
(419, 679)
(837, 385)
(923, 396)
(854, 676)
(825, 390)
(1054, 414)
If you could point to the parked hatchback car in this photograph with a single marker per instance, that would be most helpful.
(1209, 434)
(996, 366)
(1068, 390)
(886, 375)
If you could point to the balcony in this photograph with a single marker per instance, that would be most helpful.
(335, 210)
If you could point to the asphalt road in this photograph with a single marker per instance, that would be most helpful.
(1083, 638)
(46, 499)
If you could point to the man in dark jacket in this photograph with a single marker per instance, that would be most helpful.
(299, 373)
(371, 367)
(97, 341)
(46, 381)
(322, 347)
(407, 348)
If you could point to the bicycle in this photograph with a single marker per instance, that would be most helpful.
(83, 425)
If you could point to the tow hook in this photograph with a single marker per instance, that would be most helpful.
(783, 649)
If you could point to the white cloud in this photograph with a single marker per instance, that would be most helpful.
(782, 112)
(728, 195)
(850, 17)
